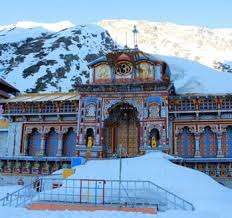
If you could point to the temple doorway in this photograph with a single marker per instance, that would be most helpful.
(122, 128)
(89, 138)
(154, 138)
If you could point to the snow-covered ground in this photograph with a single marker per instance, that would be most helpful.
(24, 213)
(199, 189)
(210, 199)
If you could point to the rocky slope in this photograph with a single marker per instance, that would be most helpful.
(37, 59)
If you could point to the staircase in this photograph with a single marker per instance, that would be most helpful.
(107, 193)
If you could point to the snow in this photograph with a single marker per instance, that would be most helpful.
(189, 51)
(196, 43)
(8, 189)
(48, 26)
(28, 29)
(210, 199)
(191, 77)
(55, 27)
(199, 189)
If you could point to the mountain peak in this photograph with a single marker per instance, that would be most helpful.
(53, 27)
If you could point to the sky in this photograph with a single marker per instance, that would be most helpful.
(209, 13)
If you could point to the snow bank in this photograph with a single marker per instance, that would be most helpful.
(194, 186)
(192, 77)
(211, 199)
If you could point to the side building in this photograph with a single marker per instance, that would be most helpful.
(6, 91)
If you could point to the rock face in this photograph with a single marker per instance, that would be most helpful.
(39, 60)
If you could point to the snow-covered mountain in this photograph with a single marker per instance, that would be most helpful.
(54, 56)
(201, 44)
(38, 59)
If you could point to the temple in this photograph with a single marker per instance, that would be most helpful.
(130, 101)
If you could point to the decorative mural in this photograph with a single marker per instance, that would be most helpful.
(145, 71)
(102, 73)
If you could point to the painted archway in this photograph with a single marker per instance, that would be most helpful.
(51, 143)
(34, 142)
(122, 128)
(186, 143)
(69, 143)
(208, 143)
(89, 137)
(227, 142)
(154, 138)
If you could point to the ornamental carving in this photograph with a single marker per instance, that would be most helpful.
(123, 68)
(90, 111)
(213, 127)
(29, 129)
(179, 129)
(65, 129)
(154, 111)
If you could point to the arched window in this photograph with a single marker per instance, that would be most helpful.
(208, 143)
(186, 143)
(227, 142)
(69, 143)
(51, 143)
(34, 141)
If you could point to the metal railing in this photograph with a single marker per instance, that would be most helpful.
(127, 193)
(22, 196)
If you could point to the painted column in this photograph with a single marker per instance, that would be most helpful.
(42, 144)
(219, 145)
(25, 144)
(175, 144)
(60, 144)
(79, 121)
(197, 145)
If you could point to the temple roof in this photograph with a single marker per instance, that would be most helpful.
(40, 97)
(6, 89)
(137, 54)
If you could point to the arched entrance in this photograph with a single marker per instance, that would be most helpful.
(154, 138)
(122, 128)
(89, 138)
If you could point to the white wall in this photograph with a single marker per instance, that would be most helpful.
(14, 139)
(3, 142)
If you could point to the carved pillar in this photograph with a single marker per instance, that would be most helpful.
(175, 144)
(197, 144)
(42, 144)
(219, 143)
(25, 144)
(60, 144)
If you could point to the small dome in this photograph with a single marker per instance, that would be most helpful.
(124, 57)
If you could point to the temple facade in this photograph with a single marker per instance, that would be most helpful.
(130, 101)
